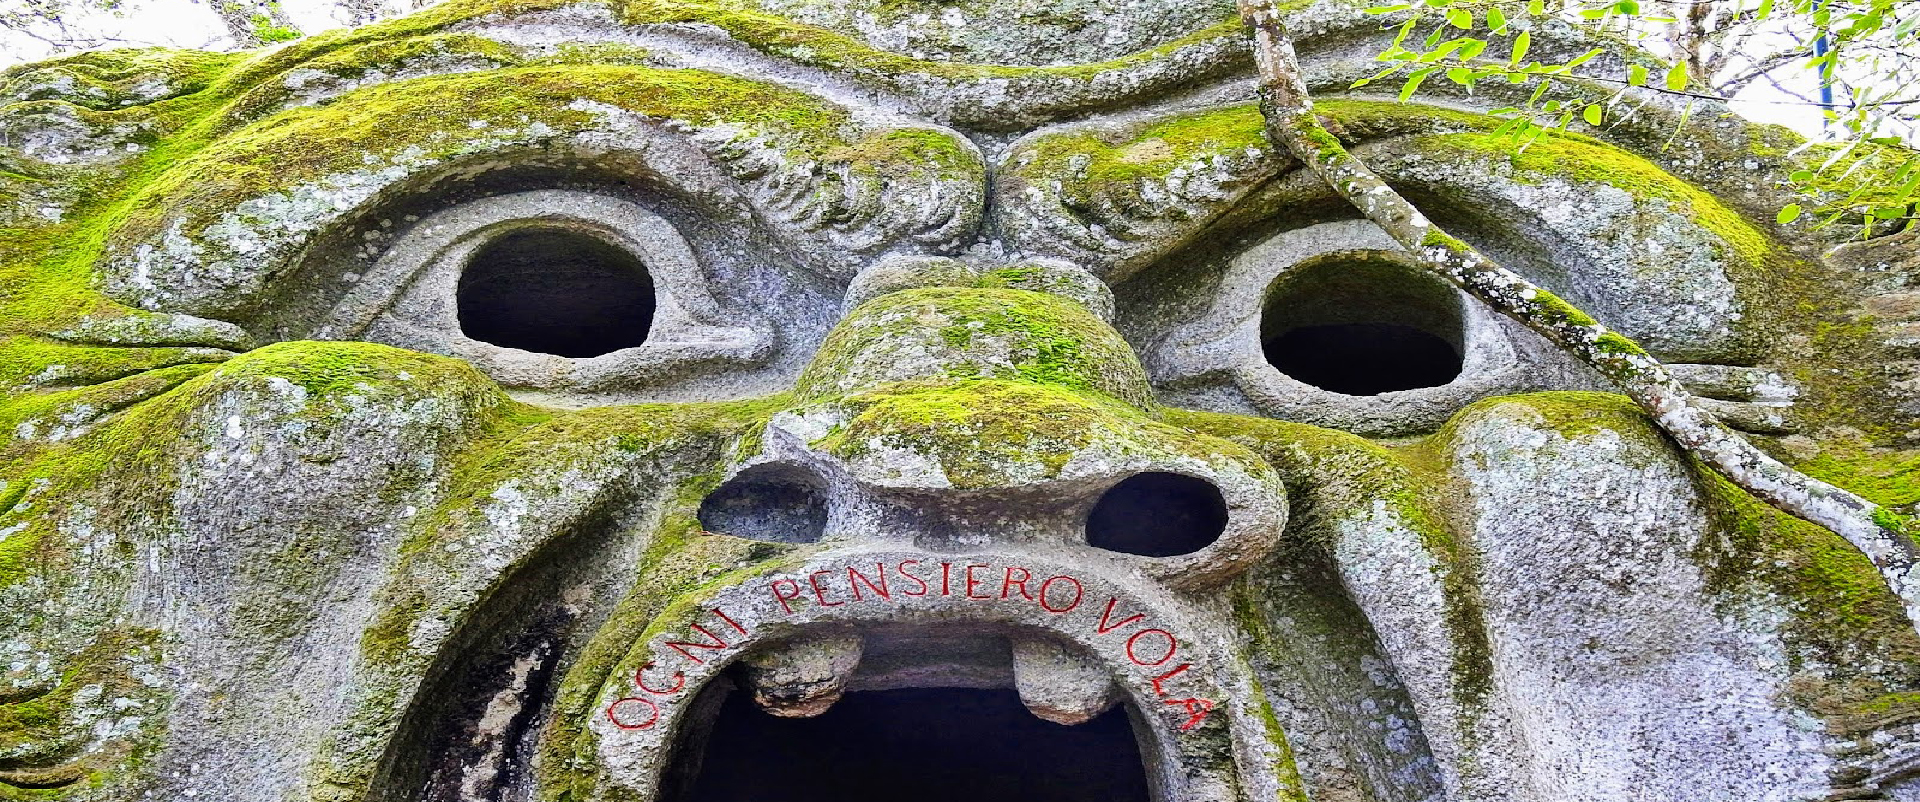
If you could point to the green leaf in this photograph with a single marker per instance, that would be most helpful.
(1801, 176)
(1628, 7)
(1414, 80)
(1496, 20)
(1472, 49)
(1520, 45)
(1537, 8)
(1637, 75)
(1591, 114)
(1460, 75)
(1405, 29)
(1788, 214)
(1586, 57)
(1375, 77)
(1677, 77)
(1460, 18)
(1765, 10)
(1890, 212)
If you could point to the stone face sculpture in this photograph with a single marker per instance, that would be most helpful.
(512, 401)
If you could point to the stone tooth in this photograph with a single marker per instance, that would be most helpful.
(1059, 683)
(804, 676)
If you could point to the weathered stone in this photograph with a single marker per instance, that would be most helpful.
(804, 676)
(871, 350)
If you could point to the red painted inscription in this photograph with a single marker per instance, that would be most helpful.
(1060, 594)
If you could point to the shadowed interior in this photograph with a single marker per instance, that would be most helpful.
(1361, 325)
(555, 291)
(1157, 514)
(936, 745)
(778, 503)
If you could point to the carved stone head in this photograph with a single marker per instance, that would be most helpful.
(688, 400)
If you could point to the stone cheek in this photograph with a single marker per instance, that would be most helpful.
(1619, 673)
(1172, 671)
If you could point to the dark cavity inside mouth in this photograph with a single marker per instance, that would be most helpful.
(933, 744)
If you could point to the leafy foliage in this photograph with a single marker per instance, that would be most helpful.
(1862, 55)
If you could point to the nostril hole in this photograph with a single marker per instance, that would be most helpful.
(1158, 515)
(776, 503)
(555, 291)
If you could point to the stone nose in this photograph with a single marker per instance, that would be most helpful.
(1042, 322)
(956, 419)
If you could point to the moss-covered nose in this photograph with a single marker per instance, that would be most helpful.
(967, 333)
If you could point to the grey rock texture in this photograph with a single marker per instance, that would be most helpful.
(943, 351)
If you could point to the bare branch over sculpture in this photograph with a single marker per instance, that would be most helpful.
(1878, 533)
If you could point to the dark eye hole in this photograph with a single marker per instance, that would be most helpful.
(1362, 326)
(555, 291)
(778, 503)
(1157, 515)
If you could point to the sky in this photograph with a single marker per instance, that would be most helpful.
(169, 23)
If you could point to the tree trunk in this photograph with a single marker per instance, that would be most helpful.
(1290, 122)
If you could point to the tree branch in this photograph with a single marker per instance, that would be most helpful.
(1290, 122)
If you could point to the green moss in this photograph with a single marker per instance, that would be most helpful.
(114, 79)
(991, 433)
(1842, 612)
(1613, 342)
(1557, 311)
(122, 467)
(898, 151)
(1363, 120)
(326, 369)
(264, 66)
(1435, 238)
(835, 51)
(997, 333)
(681, 570)
(1334, 477)
(1253, 623)
(518, 441)
(1157, 148)
(1088, 162)
(37, 726)
(31, 361)
(1885, 477)
(443, 117)
(380, 55)
(1902, 525)
(1582, 159)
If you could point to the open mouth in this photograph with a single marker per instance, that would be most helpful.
(870, 673)
(941, 713)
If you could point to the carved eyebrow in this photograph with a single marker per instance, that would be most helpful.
(1124, 199)
(212, 232)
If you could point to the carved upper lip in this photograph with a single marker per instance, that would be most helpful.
(887, 488)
